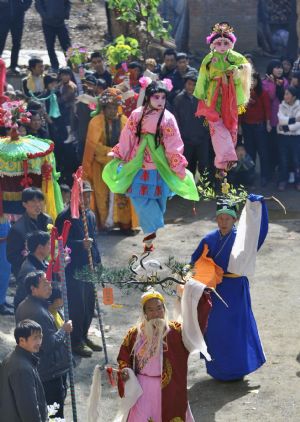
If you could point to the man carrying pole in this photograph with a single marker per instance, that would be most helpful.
(84, 252)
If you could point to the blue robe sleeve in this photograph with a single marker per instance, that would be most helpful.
(198, 252)
(264, 224)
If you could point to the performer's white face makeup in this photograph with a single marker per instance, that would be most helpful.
(221, 45)
(158, 101)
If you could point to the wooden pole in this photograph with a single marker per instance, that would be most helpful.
(66, 315)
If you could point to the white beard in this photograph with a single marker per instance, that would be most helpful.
(154, 332)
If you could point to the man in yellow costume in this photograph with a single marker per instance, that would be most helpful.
(103, 134)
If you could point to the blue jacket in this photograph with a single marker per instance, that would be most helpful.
(11, 9)
(79, 255)
(53, 12)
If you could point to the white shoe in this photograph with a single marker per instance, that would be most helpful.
(291, 177)
(69, 140)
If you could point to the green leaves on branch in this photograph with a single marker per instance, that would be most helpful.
(235, 195)
(121, 50)
(127, 279)
(145, 14)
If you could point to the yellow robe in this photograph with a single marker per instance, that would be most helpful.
(94, 159)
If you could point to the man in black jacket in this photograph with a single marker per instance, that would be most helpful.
(81, 294)
(12, 13)
(22, 395)
(38, 244)
(53, 352)
(33, 219)
(194, 134)
(53, 14)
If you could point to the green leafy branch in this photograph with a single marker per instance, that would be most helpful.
(127, 279)
(143, 14)
(234, 195)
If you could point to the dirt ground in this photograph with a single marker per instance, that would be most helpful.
(87, 26)
(271, 393)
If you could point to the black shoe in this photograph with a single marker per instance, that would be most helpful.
(129, 232)
(82, 350)
(4, 310)
(95, 347)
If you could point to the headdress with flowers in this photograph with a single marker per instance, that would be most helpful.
(108, 96)
(148, 84)
(221, 30)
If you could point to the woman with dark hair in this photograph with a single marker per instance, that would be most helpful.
(149, 164)
(255, 123)
(289, 137)
(287, 65)
(274, 84)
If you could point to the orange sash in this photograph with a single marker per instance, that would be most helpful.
(207, 271)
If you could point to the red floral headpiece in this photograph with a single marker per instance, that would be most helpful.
(221, 30)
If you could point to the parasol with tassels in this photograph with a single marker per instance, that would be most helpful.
(25, 161)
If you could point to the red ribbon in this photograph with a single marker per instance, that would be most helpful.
(121, 387)
(54, 266)
(111, 379)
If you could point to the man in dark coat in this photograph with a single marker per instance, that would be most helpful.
(22, 397)
(194, 134)
(33, 219)
(81, 294)
(53, 14)
(38, 244)
(53, 353)
(12, 13)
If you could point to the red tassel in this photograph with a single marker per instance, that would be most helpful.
(145, 176)
(65, 231)
(109, 371)
(121, 384)
(49, 271)
(158, 191)
(46, 173)
(143, 190)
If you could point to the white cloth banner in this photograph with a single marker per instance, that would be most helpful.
(243, 254)
(191, 334)
(133, 391)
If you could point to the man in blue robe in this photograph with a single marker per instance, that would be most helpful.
(232, 337)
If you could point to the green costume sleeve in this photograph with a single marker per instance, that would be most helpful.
(203, 79)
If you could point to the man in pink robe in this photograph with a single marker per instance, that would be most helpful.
(154, 352)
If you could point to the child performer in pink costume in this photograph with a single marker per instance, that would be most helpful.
(149, 164)
(223, 90)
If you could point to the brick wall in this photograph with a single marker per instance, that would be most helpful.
(241, 14)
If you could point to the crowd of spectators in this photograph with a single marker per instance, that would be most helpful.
(61, 104)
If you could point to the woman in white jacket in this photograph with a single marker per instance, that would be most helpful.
(288, 130)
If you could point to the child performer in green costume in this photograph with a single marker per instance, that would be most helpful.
(149, 164)
(223, 90)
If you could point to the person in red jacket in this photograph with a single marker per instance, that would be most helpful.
(255, 124)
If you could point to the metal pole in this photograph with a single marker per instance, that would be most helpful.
(66, 315)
